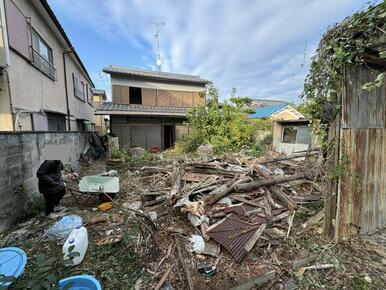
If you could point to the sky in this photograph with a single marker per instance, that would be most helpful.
(262, 47)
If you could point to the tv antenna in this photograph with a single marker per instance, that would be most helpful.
(156, 36)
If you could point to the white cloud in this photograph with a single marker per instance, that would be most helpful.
(256, 46)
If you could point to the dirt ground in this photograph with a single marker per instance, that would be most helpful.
(144, 255)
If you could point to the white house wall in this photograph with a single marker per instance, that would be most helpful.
(31, 89)
(156, 85)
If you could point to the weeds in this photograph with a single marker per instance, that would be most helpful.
(130, 159)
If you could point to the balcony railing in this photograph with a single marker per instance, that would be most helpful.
(43, 65)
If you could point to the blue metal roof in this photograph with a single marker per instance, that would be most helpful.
(266, 111)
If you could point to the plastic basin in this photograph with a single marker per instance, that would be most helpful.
(12, 263)
(81, 282)
(106, 184)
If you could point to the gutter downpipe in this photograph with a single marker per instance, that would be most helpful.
(10, 98)
(71, 50)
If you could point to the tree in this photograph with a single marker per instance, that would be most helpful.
(227, 128)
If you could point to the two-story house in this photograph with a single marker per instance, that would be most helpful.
(44, 84)
(148, 108)
(101, 121)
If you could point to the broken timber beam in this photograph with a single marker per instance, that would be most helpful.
(183, 265)
(217, 171)
(223, 190)
(175, 191)
(282, 197)
(256, 281)
(295, 156)
(267, 182)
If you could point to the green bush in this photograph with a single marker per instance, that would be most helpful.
(117, 153)
(227, 128)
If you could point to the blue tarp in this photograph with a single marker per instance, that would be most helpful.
(266, 111)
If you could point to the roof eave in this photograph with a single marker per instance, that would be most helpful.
(63, 33)
(160, 78)
(147, 114)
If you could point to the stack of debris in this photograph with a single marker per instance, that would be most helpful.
(231, 204)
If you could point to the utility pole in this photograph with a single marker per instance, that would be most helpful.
(156, 36)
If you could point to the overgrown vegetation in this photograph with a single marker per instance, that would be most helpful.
(345, 43)
(226, 127)
(131, 159)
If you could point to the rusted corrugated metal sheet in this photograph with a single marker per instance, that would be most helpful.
(234, 232)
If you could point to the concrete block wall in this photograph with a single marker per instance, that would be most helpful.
(21, 154)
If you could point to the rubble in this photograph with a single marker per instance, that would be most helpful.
(247, 238)
(232, 204)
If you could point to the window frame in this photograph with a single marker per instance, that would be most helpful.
(36, 52)
(58, 118)
(283, 133)
(140, 96)
(78, 91)
(90, 96)
(297, 134)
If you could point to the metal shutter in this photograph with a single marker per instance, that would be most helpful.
(125, 136)
(138, 136)
(154, 136)
(117, 130)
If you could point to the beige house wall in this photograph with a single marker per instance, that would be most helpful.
(287, 148)
(287, 114)
(79, 109)
(31, 89)
(100, 124)
(6, 120)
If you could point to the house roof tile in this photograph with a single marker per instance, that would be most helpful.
(109, 108)
(136, 72)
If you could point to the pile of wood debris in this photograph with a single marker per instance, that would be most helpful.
(216, 208)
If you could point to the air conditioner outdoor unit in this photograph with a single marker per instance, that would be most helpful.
(4, 47)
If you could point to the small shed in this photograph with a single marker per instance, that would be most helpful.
(290, 136)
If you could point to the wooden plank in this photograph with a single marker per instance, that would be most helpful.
(223, 190)
(252, 240)
(282, 197)
(256, 281)
(267, 182)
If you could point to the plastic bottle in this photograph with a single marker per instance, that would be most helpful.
(78, 238)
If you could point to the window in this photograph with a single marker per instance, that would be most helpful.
(89, 95)
(56, 122)
(289, 134)
(80, 125)
(79, 88)
(304, 136)
(42, 57)
(296, 135)
(135, 96)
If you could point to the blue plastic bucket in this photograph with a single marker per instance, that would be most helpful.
(80, 282)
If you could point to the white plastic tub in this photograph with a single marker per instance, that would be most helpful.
(106, 184)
